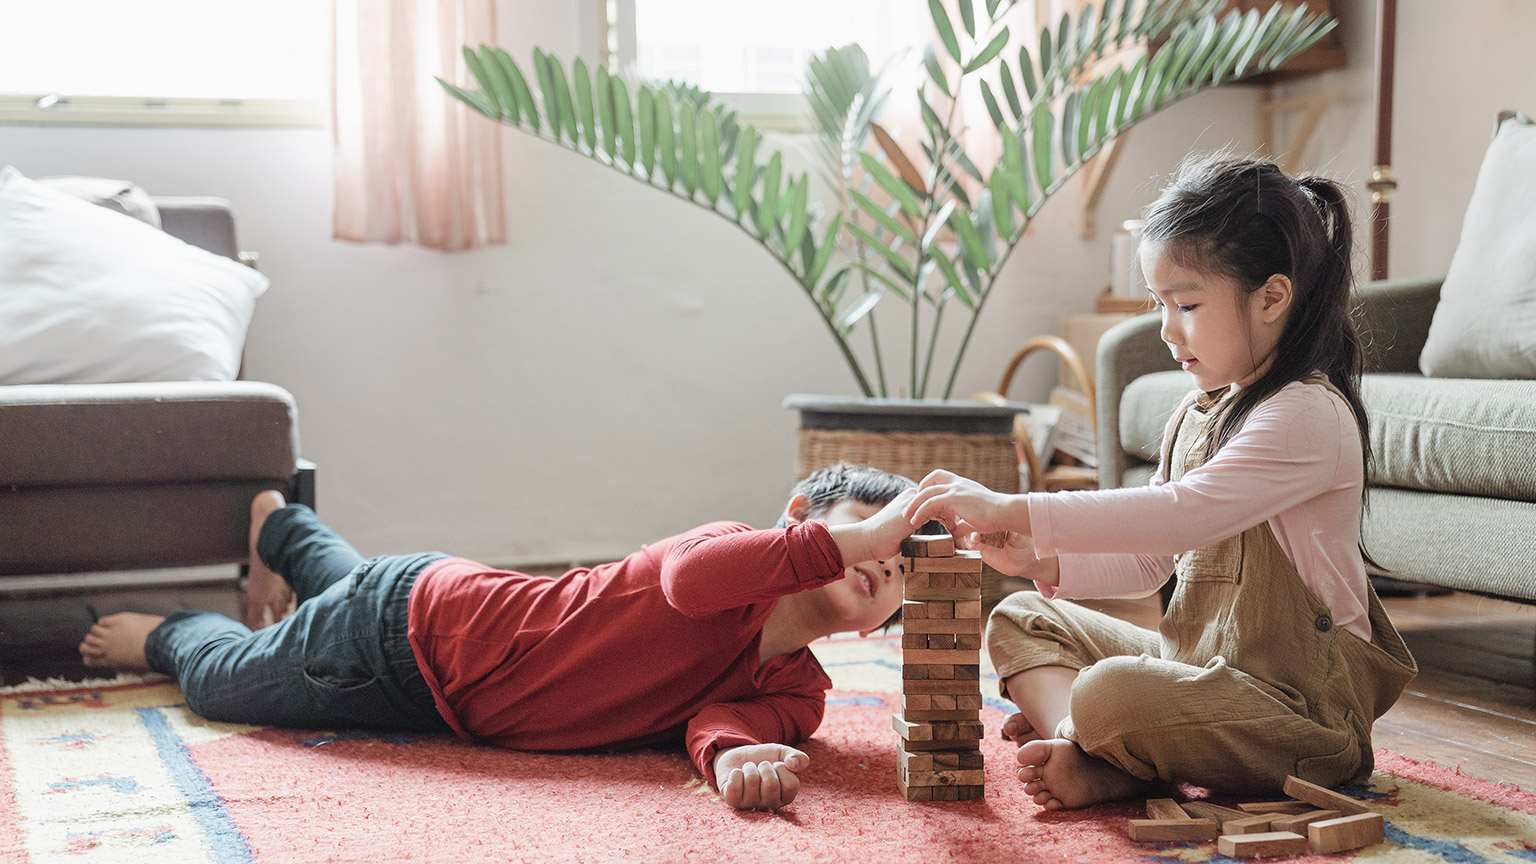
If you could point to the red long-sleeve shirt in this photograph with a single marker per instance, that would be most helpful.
(660, 646)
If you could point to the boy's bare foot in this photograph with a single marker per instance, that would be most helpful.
(267, 596)
(1059, 775)
(117, 641)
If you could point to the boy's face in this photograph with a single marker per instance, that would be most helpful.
(870, 591)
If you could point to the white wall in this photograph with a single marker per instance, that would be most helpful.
(614, 373)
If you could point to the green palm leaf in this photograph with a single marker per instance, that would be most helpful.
(581, 83)
(624, 120)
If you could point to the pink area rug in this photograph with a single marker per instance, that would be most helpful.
(121, 771)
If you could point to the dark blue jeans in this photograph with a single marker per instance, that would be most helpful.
(342, 660)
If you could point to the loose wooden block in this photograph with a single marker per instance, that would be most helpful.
(967, 609)
(1258, 824)
(964, 561)
(1165, 809)
(1162, 830)
(1268, 844)
(947, 685)
(946, 777)
(1206, 810)
(914, 610)
(969, 627)
(968, 641)
(928, 546)
(995, 539)
(1344, 833)
(1322, 798)
(1291, 807)
(1298, 823)
(937, 655)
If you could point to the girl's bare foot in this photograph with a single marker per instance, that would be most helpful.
(117, 641)
(267, 597)
(1059, 775)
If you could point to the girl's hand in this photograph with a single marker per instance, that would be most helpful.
(967, 506)
(1016, 557)
(759, 776)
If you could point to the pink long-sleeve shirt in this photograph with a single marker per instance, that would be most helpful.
(1295, 463)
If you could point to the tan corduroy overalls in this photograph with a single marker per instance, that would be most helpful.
(1246, 681)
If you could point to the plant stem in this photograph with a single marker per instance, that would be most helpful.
(874, 341)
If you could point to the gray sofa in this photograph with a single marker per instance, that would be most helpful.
(125, 477)
(1453, 491)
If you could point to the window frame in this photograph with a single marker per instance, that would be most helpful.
(54, 109)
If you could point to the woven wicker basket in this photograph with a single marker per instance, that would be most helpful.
(913, 437)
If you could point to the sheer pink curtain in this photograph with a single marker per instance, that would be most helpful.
(413, 165)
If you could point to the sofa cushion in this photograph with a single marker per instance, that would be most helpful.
(1145, 406)
(163, 432)
(1471, 437)
(1485, 324)
(91, 296)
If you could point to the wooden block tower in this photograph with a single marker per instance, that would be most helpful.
(939, 755)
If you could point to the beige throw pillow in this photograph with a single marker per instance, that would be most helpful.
(1485, 323)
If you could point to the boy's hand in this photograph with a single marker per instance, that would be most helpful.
(967, 506)
(759, 776)
(879, 537)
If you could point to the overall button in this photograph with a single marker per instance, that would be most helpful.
(1324, 623)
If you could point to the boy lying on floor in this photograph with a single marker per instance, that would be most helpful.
(699, 637)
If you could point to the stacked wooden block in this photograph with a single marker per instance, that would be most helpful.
(1320, 821)
(939, 754)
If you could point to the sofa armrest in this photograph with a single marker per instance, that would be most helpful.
(1393, 318)
(1127, 351)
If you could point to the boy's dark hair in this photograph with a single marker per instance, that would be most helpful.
(1247, 220)
(826, 487)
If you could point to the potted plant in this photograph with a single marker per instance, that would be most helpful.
(928, 233)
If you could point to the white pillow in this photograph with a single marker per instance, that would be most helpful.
(1485, 323)
(89, 295)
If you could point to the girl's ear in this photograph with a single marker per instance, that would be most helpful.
(1275, 298)
(799, 509)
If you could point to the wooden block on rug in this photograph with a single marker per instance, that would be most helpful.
(970, 793)
(1298, 823)
(1257, 824)
(928, 546)
(1167, 830)
(1207, 810)
(1165, 808)
(1290, 807)
(1323, 798)
(1345, 833)
(1266, 845)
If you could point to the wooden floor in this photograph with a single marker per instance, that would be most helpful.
(1473, 704)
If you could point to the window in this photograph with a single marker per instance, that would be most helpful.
(192, 62)
(753, 54)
